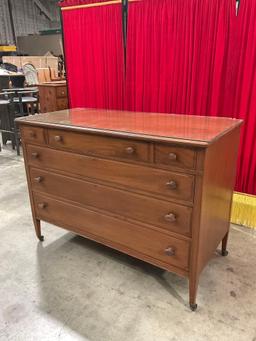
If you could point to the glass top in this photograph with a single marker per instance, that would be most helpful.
(171, 126)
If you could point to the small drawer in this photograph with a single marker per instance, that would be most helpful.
(62, 103)
(33, 134)
(61, 91)
(175, 156)
(169, 216)
(120, 234)
(89, 144)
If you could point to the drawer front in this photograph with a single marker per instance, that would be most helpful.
(99, 145)
(61, 91)
(125, 175)
(121, 233)
(175, 156)
(172, 217)
(62, 103)
(33, 134)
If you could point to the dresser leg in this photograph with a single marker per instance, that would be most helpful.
(193, 284)
(37, 224)
(224, 251)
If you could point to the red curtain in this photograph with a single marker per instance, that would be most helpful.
(94, 56)
(177, 55)
(244, 105)
(196, 57)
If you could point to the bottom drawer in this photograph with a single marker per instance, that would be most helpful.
(122, 235)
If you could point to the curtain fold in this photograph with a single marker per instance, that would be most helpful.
(94, 56)
(177, 55)
(245, 93)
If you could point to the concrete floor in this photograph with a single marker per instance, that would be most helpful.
(69, 288)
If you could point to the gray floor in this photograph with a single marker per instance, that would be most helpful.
(69, 288)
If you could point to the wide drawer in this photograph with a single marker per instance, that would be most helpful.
(32, 134)
(129, 176)
(175, 156)
(170, 216)
(123, 235)
(61, 91)
(99, 145)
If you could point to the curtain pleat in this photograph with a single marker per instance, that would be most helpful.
(94, 56)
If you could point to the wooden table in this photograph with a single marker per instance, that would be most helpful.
(155, 186)
(53, 96)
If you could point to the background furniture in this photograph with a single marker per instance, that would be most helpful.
(7, 81)
(8, 127)
(53, 96)
(16, 102)
(158, 187)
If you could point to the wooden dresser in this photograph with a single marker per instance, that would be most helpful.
(53, 96)
(155, 186)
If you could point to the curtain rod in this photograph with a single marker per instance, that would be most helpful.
(96, 4)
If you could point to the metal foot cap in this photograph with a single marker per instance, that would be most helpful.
(193, 307)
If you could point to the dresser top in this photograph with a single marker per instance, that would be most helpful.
(189, 129)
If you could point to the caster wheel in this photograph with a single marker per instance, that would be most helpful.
(41, 238)
(224, 253)
(193, 307)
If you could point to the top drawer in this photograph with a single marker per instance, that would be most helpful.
(33, 134)
(175, 156)
(89, 144)
(61, 91)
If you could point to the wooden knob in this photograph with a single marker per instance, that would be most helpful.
(173, 156)
(129, 150)
(32, 134)
(39, 179)
(42, 205)
(35, 155)
(170, 251)
(171, 184)
(170, 217)
(58, 138)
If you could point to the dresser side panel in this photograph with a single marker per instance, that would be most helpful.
(217, 192)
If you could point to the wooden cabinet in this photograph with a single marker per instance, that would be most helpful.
(157, 187)
(53, 96)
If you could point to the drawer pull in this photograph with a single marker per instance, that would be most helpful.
(35, 155)
(171, 184)
(173, 156)
(170, 217)
(58, 138)
(32, 134)
(170, 251)
(42, 205)
(130, 150)
(38, 179)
